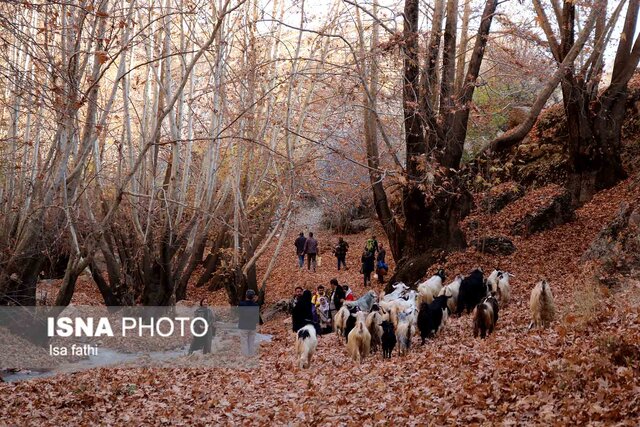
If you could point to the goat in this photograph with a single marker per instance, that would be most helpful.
(351, 321)
(430, 289)
(374, 320)
(432, 317)
(340, 320)
(359, 339)
(504, 289)
(492, 280)
(388, 339)
(472, 290)
(541, 305)
(398, 290)
(365, 302)
(452, 290)
(485, 317)
(404, 333)
(306, 343)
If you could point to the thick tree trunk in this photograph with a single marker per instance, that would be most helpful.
(594, 142)
(432, 228)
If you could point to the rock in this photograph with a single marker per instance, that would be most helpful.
(359, 225)
(494, 245)
(617, 246)
(501, 195)
(556, 211)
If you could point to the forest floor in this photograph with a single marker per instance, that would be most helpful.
(583, 369)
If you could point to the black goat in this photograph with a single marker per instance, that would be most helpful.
(472, 291)
(388, 339)
(432, 317)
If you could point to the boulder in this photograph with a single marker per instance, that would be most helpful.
(617, 246)
(494, 245)
(555, 211)
(501, 195)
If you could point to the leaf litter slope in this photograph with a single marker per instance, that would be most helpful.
(582, 370)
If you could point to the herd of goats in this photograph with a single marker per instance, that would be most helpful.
(370, 322)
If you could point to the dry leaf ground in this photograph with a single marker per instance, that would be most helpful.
(583, 370)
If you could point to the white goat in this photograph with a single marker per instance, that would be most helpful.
(452, 290)
(504, 289)
(359, 340)
(399, 289)
(430, 289)
(340, 320)
(404, 333)
(541, 305)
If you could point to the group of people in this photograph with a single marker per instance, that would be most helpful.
(318, 308)
(373, 256)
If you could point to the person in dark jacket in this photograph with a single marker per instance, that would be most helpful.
(248, 322)
(337, 297)
(299, 244)
(368, 265)
(341, 252)
(303, 311)
(381, 266)
(311, 250)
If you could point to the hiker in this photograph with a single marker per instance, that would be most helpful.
(340, 252)
(324, 315)
(371, 245)
(337, 296)
(303, 312)
(247, 323)
(348, 293)
(368, 265)
(297, 293)
(311, 250)
(381, 266)
(316, 296)
(299, 244)
(203, 342)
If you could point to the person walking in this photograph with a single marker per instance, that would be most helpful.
(371, 245)
(303, 311)
(247, 323)
(368, 265)
(381, 266)
(337, 296)
(311, 250)
(340, 252)
(299, 244)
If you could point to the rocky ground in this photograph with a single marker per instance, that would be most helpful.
(585, 369)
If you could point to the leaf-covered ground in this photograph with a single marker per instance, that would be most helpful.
(585, 369)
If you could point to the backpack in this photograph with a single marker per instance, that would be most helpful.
(370, 246)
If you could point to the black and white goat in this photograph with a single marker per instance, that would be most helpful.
(432, 317)
(472, 291)
(306, 343)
